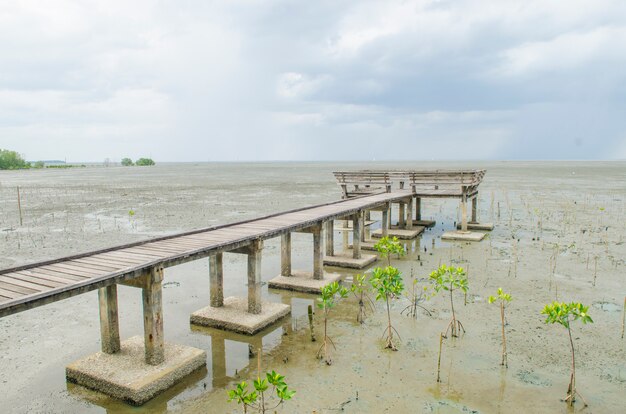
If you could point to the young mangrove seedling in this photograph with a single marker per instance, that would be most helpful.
(387, 282)
(360, 290)
(563, 313)
(415, 297)
(504, 298)
(387, 246)
(329, 297)
(449, 278)
(260, 399)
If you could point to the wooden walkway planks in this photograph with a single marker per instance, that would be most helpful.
(36, 284)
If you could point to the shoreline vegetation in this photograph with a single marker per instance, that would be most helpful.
(12, 160)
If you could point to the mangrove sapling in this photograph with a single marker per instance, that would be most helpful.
(259, 398)
(449, 278)
(387, 246)
(504, 298)
(329, 297)
(359, 290)
(415, 297)
(561, 313)
(387, 282)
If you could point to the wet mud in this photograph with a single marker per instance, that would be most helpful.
(559, 235)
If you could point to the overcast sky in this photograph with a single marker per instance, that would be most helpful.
(313, 80)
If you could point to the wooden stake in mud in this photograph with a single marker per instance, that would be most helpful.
(623, 317)
(311, 323)
(595, 269)
(439, 358)
(19, 204)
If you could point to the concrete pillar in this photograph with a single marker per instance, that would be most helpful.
(357, 223)
(318, 257)
(385, 222)
(254, 277)
(109, 321)
(285, 254)
(216, 276)
(418, 208)
(463, 211)
(218, 359)
(409, 214)
(345, 235)
(330, 237)
(474, 206)
(153, 317)
(401, 222)
(366, 232)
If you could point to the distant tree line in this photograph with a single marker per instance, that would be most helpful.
(127, 162)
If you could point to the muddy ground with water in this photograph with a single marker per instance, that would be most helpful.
(559, 234)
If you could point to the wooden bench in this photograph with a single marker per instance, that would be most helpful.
(363, 182)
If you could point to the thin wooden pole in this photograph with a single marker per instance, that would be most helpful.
(439, 358)
(624, 317)
(19, 204)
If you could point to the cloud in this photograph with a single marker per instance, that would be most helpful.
(232, 80)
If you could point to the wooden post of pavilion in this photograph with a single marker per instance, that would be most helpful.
(474, 209)
(464, 210)
(418, 208)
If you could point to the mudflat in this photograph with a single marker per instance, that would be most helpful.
(559, 235)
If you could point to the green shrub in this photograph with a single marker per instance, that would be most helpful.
(11, 160)
(144, 161)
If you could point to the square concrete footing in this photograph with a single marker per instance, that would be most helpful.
(301, 281)
(424, 223)
(404, 234)
(463, 236)
(234, 316)
(126, 376)
(345, 259)
(477, 226)
(365, 245)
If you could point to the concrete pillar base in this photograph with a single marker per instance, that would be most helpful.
(463, 235)
(234, 316)
(477, 226)
(404, 234)
(125, 374)
(346, 259)
(424, 223)
(301, 281)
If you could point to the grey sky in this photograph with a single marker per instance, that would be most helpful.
(321, 80)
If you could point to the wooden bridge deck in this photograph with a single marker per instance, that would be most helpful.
(37, 284)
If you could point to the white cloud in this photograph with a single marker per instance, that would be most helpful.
(277, 79)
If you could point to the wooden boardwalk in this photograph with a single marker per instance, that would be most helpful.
(37, 284)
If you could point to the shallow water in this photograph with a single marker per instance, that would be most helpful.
(571, 213)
